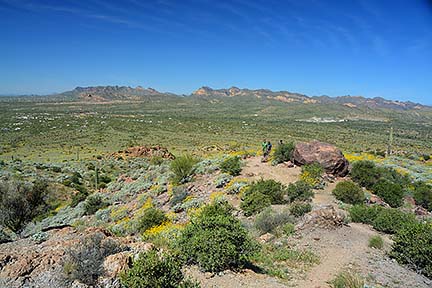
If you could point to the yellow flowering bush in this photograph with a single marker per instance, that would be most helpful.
(216, 196)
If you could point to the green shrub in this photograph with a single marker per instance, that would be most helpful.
(426, 157)
(21, 201)
(183, 168)
(93, 203)
(80, 196)
(349, 192)
(268, 220)
(364, 214)
(215, 240)
(311, 174)
(179, 193)
(262, 194)
(288, 229)
(412, 245)
(390, 192)
(231, 165)
(254, 202)
(393, 176)
(391, 220)
(365, 173)
(376, 242)
(298, 208)
(299, 190)
(156, 269)
(151, 217)
(347, 279)
(84, 261)
(283, 152)
(423, 195)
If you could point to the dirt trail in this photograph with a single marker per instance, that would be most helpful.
(340, 248)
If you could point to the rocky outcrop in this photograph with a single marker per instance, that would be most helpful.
(327, 155)
(31, 263)
(144, 151)
(325, 216)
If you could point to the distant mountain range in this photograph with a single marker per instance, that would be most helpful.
(125, 93)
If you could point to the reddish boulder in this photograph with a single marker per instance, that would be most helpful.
(327, 155)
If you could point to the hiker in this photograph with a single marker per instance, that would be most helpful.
(266, 148)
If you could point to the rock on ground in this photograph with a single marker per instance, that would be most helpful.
(327, 155)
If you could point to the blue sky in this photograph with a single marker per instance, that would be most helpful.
(351, 47)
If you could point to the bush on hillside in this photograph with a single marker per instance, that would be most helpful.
(364, 214)
(365, 173)
(215, 240)
(93, 203)
(412, 245)
(393, 176)
(390, 192)
(21, 201)
(151, 217)
(299, 190)
(311, 174)
(183, 168)
(283, 152)
(84, 262)
(268, 220)
(254, 202)
(349, 192)
(79, 196)
(156, 269)
(423, 195)
(391, 220)
(179, 193)
(231, 165)
(261, 194)
(298, 208)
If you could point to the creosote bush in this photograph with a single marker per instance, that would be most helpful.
(151, 217)
(231, 165)
(156, 269)
(391, 220)
(261, 194)
(364, 173)
(412, 245)
(299, 190)
(93, 203)
(283, 152)
(349, 192)
(387, 220)
(21, 201)
(298, 208)
(183, 168)
(215, 240)
(364, 214)
(423, 195)
(390, 192)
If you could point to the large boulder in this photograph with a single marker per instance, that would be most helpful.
(327, 155)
